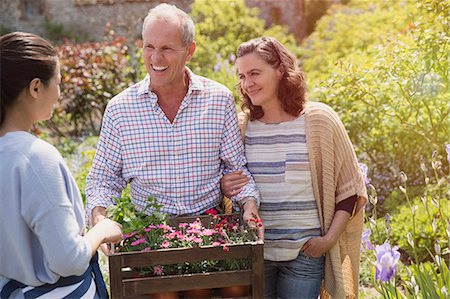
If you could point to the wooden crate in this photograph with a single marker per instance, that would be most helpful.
(123, 285)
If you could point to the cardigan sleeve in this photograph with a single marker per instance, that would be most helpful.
(348, 176)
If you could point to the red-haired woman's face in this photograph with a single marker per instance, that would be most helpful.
(258, 79)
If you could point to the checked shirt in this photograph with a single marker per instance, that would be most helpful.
(178, 163)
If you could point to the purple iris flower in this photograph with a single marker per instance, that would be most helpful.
(365, 240)
(387, 259)
(447, 148)
(364, 169)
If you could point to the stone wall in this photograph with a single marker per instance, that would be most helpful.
(83, 17)
(285, 12)
(89, 17)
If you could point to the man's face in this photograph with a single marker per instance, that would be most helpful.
(164, 54)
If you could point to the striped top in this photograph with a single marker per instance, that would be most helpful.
(179, 163)
(278, 160)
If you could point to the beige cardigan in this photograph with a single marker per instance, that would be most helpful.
(335, 177)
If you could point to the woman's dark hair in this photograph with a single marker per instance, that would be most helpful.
(23, 57)
(292, 87)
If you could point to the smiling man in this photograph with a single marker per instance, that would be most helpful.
(171, 136)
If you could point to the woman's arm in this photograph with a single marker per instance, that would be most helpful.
(318, 246)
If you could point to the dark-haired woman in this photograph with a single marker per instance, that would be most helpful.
(305, 167)
(44, 250)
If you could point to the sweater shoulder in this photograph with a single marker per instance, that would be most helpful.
(317, 112)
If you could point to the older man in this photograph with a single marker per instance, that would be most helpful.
(171, 136)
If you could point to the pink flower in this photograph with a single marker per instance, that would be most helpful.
(165, 244)
(171, 235)
(198, 240)
(182, 225)
(138, 242)
(196, 225)
(193, 231)
(126, 236)
(158, 270)
(165, 227)
(190, 238)
(208, 232)
(216, 243)
(149, 228)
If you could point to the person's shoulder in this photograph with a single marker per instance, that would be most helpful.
(127, 95)
(43, 151)
(319, 109)
(26, 150)
(318, 112)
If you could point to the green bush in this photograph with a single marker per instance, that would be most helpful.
(384, 67)
(92, 73)
(221, 26)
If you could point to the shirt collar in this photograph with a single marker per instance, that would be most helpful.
(195, 84)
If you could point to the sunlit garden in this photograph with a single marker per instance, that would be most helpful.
(384, 66)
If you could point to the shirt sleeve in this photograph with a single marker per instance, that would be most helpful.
(105, 181)
(48, 207)
(232, 153)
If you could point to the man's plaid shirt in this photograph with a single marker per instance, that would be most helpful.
(178, 163)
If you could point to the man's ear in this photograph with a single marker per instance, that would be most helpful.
(191, 51)
(34, 87)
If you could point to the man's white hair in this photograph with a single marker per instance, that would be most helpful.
(166, 11)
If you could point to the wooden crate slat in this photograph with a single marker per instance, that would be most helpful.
(150, 285)
(257, 257)
(180, 255)
(115, 277)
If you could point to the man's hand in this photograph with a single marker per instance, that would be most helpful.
(251, 217)
(233, 183)
(98, 214)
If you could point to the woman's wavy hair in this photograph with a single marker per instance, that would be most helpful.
(292, 86)
(24, 56)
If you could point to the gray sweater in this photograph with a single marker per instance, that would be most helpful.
(41, 214)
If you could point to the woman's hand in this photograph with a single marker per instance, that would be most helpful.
(317, 246)
(105, 231)
(251, 217)
(112, 230)
(233, 183)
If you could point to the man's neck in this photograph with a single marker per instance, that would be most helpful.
(170, 97)
(172, 93)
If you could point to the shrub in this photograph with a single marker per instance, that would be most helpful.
(221, 26)
(384, 67)
(92, 73)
